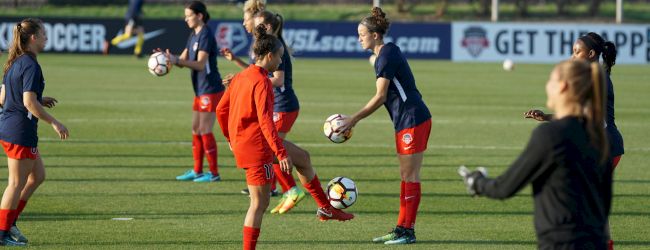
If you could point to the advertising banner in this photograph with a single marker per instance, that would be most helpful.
(340, 39)
(88, 35)
(543, 42)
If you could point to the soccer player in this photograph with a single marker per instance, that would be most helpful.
(590, 47)
(200, 55)
(567, 162)
(285, 108)
(133, 25)
(396, 90)
(23, 101)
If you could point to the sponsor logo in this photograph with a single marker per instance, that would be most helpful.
(409, 197)
(131, 41)
(407, 138)
(276, 116)
(34, 151)
(195, 46)
(475, 40)
(232, 36)
(205, 102)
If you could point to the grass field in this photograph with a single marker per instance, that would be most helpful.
(130, 136)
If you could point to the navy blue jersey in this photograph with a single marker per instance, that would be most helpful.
(285, 98)
(614, 136)
(403, 101)
(134, 10)
(207, 81)
(17, 125)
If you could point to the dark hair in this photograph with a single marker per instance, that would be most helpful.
(198, 7)
(595, 42)
(376, 22)
(587, 87)
(264, 43)
(275, 20)
(22, 33)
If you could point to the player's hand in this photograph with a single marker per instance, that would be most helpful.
(470, 177)
(348, 124)
(61, 130)
(286, 165)
(226, 80)
(49, 102)
(171, 58)
(227, 53)
(535, 114)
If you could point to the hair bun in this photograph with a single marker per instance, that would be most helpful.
(260, 31)
(377, 12)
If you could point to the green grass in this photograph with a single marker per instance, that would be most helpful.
(130, 136)
(633, 12)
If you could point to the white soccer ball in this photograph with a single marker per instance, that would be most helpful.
(341, 192)
(333, 123)
(157, 64)
(508, 65)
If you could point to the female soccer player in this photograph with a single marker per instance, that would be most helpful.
(590, 47)
(396, 90)
(200, 55)
(285, 108)
(23, 101)
(246, 119)
(567, 162)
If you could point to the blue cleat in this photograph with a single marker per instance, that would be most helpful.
(16, 235)
(207, 177)
(408, 237)
(8, 241)
(188, 176)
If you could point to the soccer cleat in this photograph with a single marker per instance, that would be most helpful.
(188, 176)
(273, 193)
(207, 177)
(392, 235)
(245, 191)
(331, 213)
(8, 241)
(276, 209)
(16, 235)
(408, 237)
(294, 195)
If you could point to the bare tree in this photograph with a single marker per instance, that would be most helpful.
(522, 8)
(440, 12)
(594, 7)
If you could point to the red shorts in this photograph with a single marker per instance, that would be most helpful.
(615, 161)
(284, 120)
(259, 176)
(207, 102)
(413, 140)
(18, 152)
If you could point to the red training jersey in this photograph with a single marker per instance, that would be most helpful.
(245, 114)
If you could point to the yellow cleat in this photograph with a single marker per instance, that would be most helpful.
(294, 195)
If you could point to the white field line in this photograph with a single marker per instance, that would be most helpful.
(309, 145)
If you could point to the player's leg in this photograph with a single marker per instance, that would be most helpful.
(19, 169)
(292, 194)
(137, 50)
(411, 144)
(259, 186)
(309, 180)
(207, 118)
(34, 179)
(197, 148)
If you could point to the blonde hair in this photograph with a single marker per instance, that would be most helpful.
(20, 44)
(587, 89)
(254, 6)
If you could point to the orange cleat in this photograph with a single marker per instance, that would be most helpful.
(331, 213)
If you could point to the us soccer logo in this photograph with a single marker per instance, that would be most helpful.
(232, 36)
(475, 40)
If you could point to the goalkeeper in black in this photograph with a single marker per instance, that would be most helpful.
(567, 162)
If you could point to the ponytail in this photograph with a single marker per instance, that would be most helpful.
(609, 56)
(587, 92)
(22, 33)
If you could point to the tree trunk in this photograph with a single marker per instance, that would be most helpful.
(401, 6)
(440, 12)
(522, 8)
(594, 7)
(560, 7)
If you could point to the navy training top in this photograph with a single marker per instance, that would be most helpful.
(613, 135)
(17, 125)
(207, 81)
(285, 98)
(403, 101)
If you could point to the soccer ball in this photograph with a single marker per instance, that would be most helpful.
(341, 192)
(508, 65)
(332, 123)
(157, 64)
